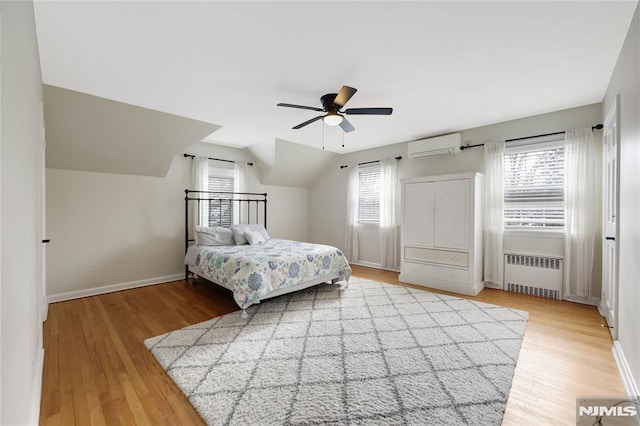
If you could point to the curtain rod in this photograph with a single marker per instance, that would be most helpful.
(211, 158)
(399, 157)
(596, 127)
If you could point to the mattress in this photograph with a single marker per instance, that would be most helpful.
(255, 272)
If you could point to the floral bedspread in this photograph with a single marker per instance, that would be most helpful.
(253, 271)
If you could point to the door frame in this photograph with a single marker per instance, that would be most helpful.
(44, 306)
(612, 116)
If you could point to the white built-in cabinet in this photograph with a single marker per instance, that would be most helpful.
(442, 232)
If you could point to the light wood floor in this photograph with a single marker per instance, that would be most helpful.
(97, 370)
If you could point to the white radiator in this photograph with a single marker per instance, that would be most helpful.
(534, 275)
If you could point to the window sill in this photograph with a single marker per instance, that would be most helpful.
(364, 225)
(532, 233)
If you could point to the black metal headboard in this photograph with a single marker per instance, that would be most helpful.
(231, 208)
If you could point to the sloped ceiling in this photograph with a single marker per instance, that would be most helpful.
(89, 133)
(442, 65)
(290, 164)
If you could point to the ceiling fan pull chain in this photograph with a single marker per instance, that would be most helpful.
(322, 135)
(342, 139)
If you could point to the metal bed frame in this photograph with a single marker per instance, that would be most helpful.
(254, 203)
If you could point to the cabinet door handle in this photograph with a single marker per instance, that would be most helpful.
(46, 241)
(611, 238)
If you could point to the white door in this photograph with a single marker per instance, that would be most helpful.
(609, 302)
(452, 214)
(418, 214)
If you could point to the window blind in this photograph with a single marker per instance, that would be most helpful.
(220, 211)
(369, 193)
(534, 187)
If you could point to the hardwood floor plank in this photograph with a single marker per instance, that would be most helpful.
(125, 416)
(185, 415)
(140, 416)
(122, 350)
(109, 409)
(53, 420)
(96, 413)
(98, 371)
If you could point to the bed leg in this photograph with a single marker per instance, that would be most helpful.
(186, 275)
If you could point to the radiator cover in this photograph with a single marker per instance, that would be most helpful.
(534, 275)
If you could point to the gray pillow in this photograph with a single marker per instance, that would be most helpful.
(217, 236)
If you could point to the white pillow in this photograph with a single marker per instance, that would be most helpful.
(239, 230)
(254, 237)
(217, 236)
(263, 232)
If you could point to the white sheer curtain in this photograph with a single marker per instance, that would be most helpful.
(351, 243)
(238, 186)
(199, 177)
(581, 210)
(238, 177)
(388, 213)
(493, 213)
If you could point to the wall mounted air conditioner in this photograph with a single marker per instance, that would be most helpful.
(440, 145)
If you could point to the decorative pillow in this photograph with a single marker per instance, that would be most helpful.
(263, 232)
(254, 237)
(217, 236)
(239, 230)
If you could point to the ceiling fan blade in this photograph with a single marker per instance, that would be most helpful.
(369, 111)
(299, 126)
(300, 107)
(344, 95)
(346, 126)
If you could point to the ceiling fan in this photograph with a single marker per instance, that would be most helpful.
(332, 104)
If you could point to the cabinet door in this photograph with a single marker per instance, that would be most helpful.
(418, 213)
(451, 224)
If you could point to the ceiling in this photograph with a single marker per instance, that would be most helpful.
(442, 66)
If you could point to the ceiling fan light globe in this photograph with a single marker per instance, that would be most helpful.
(332, 119)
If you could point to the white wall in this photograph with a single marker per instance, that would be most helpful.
(287, 209)
(21, 153)
(625, 82)
(328, 195)
(113, 228)
(109, 229)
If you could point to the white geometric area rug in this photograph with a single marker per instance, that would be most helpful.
(371, 354)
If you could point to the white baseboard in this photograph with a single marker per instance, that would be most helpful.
(489, 284)
(366, 264)
(77, 294)
(36, 388)
(374, 265)
(629, 382)
(442, 285)
(593, 301)
(45, 307)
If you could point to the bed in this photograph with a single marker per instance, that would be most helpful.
(253, 272)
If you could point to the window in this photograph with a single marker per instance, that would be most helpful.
(369, 193)
(220, 212)
(534, 185)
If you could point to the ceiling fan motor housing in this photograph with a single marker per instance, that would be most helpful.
(327, 102)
